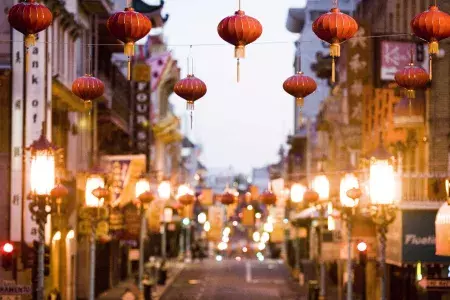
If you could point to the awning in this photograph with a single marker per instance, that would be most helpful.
(61, 94)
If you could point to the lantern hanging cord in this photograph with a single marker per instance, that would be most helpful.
(214, 44)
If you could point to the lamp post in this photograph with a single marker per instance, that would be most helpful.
(321, 185)
(95, 196)
(42, 183)
(382, 194)
(186, 197)
(164, 193)
(349, 196)
(296, 194)
(144, 196)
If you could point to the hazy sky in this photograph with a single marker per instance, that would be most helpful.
(238, 124)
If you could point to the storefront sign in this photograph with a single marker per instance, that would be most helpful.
(17, 90)
(35, 101)
(396, 55)
(132, 226)
(394, 241)
(116, 220)
(434, 284)
(206, 198)
(142, 109)
(248, 217)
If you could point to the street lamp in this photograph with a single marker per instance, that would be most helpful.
(321, 185)
(297, 191)
(349, 196)
(42, 183)
(164, 193)
(95, 196)
(382, 194)
(186, 196)
(144, 195)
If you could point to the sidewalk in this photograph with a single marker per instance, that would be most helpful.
(115, 293)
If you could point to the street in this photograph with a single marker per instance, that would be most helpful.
(230, 279)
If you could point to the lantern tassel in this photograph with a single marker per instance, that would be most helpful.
(333, 70)
(433, 47)
(129, 69)
(430, 67)
(335, 50)
(191, 119)
(238, 70)
(410, 107)
(128, 50)
(300, 101)
(411, 94)
(88, 104)
(27, 56)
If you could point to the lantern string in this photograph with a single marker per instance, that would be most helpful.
(214, 44)
(239, 4)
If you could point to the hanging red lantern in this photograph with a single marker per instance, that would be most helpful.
(227, 198)
(239, 30)
(59, 191)
(129, 26)
(412, 78)
(431, 25)
(146, 197)
(310, 197)
(29, 18)
(299, 86)
(88, 88)
(268, 198)
(190, 89)
(186, 199)
(334, 28)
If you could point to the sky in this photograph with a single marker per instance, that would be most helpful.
(238, 124)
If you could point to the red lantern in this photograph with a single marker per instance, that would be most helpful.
(354, 193)
(299, 86)
(29, 18)
(432, 25)
(239, 30)
(268, 198)
(412, 78)
(310, 197)
(101, 193)
(88, 88)
(334, 28)
(186, 199)
(146, 197)
(190, 89)
(227, 198)
(129, 26)
(59, 191)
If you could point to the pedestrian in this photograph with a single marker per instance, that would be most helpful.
(162, 272)
(148, 284)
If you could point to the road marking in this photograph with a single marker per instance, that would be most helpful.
(248, 271)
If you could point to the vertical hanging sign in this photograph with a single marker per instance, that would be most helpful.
(142, 126)
(17, 90)
(35, 115)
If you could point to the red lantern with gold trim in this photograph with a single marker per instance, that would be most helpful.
(59, 191)
(129, 26)
(186, 199)
(29, 18)
(227, 198)
(268, 198)
(299, 86)
(190, 89)
(88, 88)
(432, 25)
(310, 197)
(412, 78)
(334, 28)
(239, 30)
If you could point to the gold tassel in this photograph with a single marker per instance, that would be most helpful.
(430, 62)
(129, 69)
(27, 56)
(411, 94)
(333, 70)
(433, 47)
(335, 50)
(88, 104)
(128, 50)
(238, 70)
(30, 40)
(300, 101)
(239, 52)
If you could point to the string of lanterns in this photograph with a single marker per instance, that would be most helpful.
(333, 27)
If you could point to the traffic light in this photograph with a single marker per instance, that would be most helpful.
(7, 256)
(46, 260)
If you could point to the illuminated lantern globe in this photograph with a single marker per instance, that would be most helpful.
(310, 197)
(88, 88)
(190, 89)
(334, 28)
(59, 191)
(412, 78)
(129, 26)
(299, 86)
(186, 199)
(268, 198)
(239, 30)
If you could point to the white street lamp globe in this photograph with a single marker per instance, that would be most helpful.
(348, 182)
(93, 182)
(297, 191)
(321, 185)
(142, 186)
(201, 218)
(42, 172)
(164, 190)
(381, 183)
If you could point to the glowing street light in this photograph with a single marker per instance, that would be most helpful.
(256, 236)
(164, 190)
(321, 185)
(297, 191)
(348, 182)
